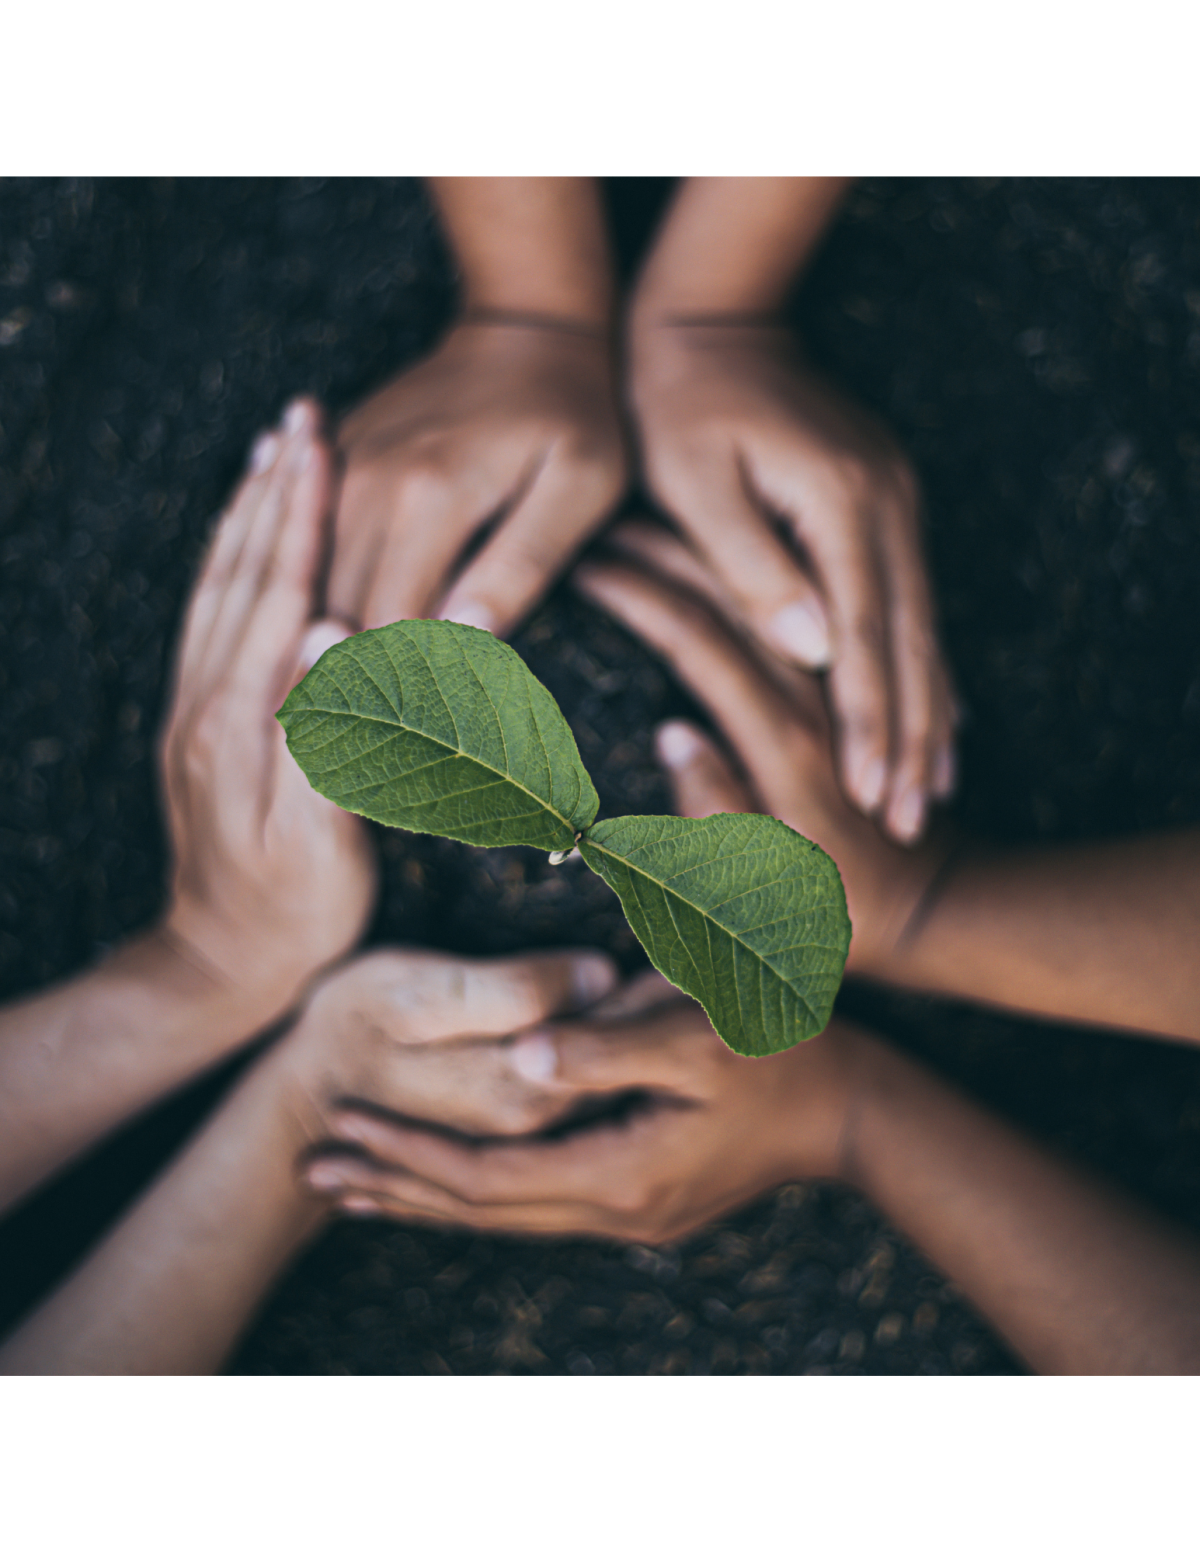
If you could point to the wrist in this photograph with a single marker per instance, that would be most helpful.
(666, 315)
(538, 320)
(871, 1089)
(245, 981)
(171, 987)
(580, 299)
(669, 349)
(314, 1065)
(898, 950)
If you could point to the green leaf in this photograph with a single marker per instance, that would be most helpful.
(737, 910)
(439, 727)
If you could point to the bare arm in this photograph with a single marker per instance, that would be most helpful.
(76, 1061)
(1078, 1278)
(734, 246)
(534, 246)
(168, 1291)
(1103, 932)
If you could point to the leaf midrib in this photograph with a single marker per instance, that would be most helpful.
(403, 727)
(707, 915)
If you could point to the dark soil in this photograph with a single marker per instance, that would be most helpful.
(1036, 346)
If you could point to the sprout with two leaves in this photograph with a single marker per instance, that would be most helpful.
(438, 727)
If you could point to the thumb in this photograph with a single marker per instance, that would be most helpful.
(701, 780)
(659, 1049)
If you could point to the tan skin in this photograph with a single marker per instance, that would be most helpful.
(513, 419)
(1076, 1277)
(1100, 932)
(243, 936)
(243, 932)
(171, 1287)
(803, 502)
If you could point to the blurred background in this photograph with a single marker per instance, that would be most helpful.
(1035, 345)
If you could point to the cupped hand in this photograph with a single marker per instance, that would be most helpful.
(775, 721)
(707, 1130)
(410, 1033)
(809, 513)
(506, 424)
(270, 881)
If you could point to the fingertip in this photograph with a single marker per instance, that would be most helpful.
(867, 781)
(318, 639)
(593, 976)
(906, 815)
(677, 744)
(301, 418)
(800, 631)
(264, 452)
(945, 772)
(471, 612)
(534, 1057)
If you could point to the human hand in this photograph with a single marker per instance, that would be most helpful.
(270, 881)
(709, 1131)
(515, 422)
(775, 720)
(431, 1036)
(738, 438)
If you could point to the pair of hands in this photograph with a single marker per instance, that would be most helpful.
(801, 503)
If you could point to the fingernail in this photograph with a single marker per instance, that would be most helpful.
(296, 418)
(319, 638)
(944, 772)
(593, 975)
(800, 632)
(471, 612)
(534, 1057)
(325, 1177)
(358, 1205)
(264, 452)
(872, 781)
(677, 744)
(908, 814)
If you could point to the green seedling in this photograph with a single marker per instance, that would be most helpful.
(437, 727)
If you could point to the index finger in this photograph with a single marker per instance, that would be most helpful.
(760, 722)
(432, 997)
(567, 500)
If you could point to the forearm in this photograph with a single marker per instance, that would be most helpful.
(79, 1059)
(529, 246)
(172, 1287)
(734, 246)
(1078, 1279)
(1104, 933)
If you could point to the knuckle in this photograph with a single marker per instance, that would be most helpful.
(423, 479)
